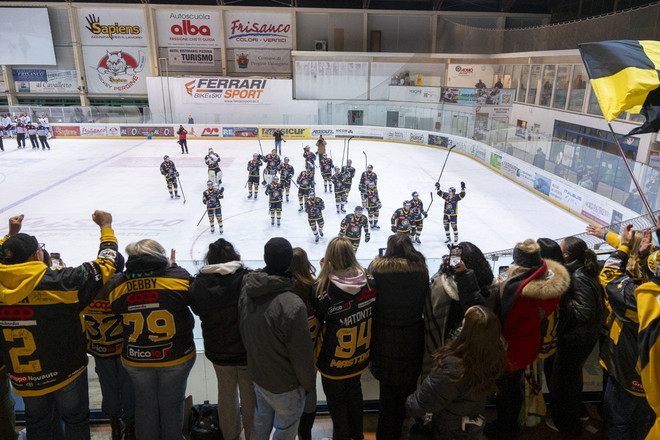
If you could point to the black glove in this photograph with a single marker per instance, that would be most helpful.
(424, 213)
(340, 235)
(222, 190)
(367, 237)
(437, 185)
(177, 174)
(462, 185)
(393, 228)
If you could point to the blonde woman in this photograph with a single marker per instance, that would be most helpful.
(343, 300)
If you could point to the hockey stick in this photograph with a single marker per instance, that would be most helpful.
(443, 165)
(203, 215)
(365, 161)
(430, 204)
(259, 139)
(348, 149)
(181, 188)
(343, 151)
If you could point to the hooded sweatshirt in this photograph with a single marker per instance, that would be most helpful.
(214, 298)
(344, 311)
(274, 328)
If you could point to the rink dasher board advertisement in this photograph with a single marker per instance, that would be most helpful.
(112, 27)
(287, 133)
(188, 28)
(121, 71)
(148, 131)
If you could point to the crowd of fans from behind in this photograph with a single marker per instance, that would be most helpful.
(439, 347)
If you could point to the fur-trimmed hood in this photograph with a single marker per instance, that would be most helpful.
(553, 284)
(395, 265)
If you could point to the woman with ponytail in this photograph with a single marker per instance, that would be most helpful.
(578, 328)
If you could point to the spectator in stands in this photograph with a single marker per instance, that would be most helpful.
(444, 310)
(480, 85)
(158, 349)
(303, 277)
(498, 84)
(190, 119)
(103, 330)
(539, 159)
(51, 371)
(465, 372)
(586, 182)
(532, 290)
(214, 298)
(275, 331)
(579, 320)
(343, 301)
(626, 412)
(397, 346)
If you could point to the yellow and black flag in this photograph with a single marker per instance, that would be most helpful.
(625, 75)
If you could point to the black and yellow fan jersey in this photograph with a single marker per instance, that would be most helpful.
(103, 328)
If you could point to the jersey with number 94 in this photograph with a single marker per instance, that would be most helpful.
(345, 325)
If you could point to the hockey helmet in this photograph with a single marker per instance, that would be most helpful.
(311, 193)
(348, 161)
(654, 263)
(166, 157)
(255, 155)
(452, 189)
(306, 147)
(286, 160)
(276, 178)
(406, 203)
(415, 194)
(370, 167)
(358, 208)
(210, 182)
(337, 169)
(325, 155)
(210, 149)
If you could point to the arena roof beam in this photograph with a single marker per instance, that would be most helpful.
(437, 5)
(506, 5)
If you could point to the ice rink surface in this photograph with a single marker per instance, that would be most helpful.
(58, 190)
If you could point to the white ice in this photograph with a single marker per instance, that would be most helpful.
(58, 190)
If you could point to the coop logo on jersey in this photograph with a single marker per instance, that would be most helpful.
(119, 70)
(110, 30)
(226, 90)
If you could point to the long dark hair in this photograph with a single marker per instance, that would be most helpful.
(550, 250)
(474, 259)
(400, 246)
(576, 249)
(480, 349)
(302, 275)
(221, 251)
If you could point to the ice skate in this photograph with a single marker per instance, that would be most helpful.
(212, 229)
(417, 240)
(316, 238)
(250, 196)
(272, 222)
(176, 196)
(220, 231)
(321, 232)
(300, 209)
(455, 238)
(375, 226)
(342, 209)
(278, 223)
(171, 196)
(448, 240)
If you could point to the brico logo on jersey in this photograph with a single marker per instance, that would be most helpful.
(110, 30)
(235, 90)
(16, 312)
(211, 132)
(151, 353)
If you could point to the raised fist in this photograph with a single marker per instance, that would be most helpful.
(462, 185)
(367, 237)
(437, 185)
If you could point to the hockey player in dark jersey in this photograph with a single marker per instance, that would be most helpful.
(403, 219)
(305, 183)
(326, 172)
(253, 167)
(367, 177)
(274, 191)
(272, 162)
(451, 209)
(418, 209)
(349, 173)
(212, 160)
(373, 205)
(351, 228)
(309, 156)
(339, 181)
(314, 207)
(286, 174)
(211, 198)
(168, 170)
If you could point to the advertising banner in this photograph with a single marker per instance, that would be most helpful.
(361, 132)
(258, 61)
(240, 132)
(66, 130)
(29, 74)
(419, 138)
(597, 212)
(57, 81)
(394, 135)
(188, 28)
(146, 131)
(542, 184)
(509, 169)
(440, 141)
(190, 57)
(271, 30)
(471, 96)
(496, 161)
(93, 130)
(414, 94)
(119, 71)
(325, 132)
(287, 133)
(112, 27)
(225, 90)
(113, 130)
(476, 150)
(566, 196)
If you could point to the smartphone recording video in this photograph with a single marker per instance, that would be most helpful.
(455, 255)
(382, 251)
(503, 271)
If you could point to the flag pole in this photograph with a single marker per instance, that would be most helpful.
(639, 189)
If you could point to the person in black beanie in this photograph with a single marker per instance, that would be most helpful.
(274, 328)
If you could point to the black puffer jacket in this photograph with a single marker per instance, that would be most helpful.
(214, 298)
(397, 342)
(580, 308)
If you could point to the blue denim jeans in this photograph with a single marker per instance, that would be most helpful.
(70, 403)
(279, 411)
(116, 388)
(160, 394)
(278, 147)
(7, 415)
(625, 416)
